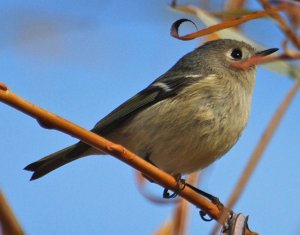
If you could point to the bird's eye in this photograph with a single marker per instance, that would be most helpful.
(236, 54)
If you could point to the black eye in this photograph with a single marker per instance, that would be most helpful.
(236, 54)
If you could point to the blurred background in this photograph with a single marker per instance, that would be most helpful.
(80, 60)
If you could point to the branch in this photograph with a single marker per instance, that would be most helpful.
(52, 121)
(282, 24)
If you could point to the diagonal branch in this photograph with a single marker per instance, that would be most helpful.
(52, 121)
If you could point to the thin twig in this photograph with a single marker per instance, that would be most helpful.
(282, 24)
(8, 222)
(50, 120)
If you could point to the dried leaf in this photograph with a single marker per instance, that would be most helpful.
(219, 26)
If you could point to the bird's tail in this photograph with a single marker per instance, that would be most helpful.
(57, 159)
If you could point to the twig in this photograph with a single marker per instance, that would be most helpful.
(53, 121)
(8, 221)
(282, 24)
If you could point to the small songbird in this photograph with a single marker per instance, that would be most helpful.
(184, 120)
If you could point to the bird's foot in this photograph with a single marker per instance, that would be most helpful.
(180, 186)
(212, 198)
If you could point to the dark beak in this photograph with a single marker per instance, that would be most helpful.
(266, 52)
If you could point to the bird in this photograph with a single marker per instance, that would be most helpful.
(185, 119)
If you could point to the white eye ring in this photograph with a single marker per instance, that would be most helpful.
(235, 54)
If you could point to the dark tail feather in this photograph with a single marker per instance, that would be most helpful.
(56, 160)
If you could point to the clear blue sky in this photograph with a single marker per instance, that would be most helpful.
(80, 59)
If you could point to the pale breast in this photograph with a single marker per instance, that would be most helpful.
(188, 133)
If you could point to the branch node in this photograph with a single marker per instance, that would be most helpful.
(45, 124)
(116, 149)
(3, 87)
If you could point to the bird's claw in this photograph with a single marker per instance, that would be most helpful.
(180, 186)
(168, 195)
(203, 215)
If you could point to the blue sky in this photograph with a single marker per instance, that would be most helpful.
(80, 60)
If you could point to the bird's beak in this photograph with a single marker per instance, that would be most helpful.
(266, 52)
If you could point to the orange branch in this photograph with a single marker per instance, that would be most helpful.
(50, 120)
(282, 24)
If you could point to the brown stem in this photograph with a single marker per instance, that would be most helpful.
(8, 222)
(51, 120)
(282, 24)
